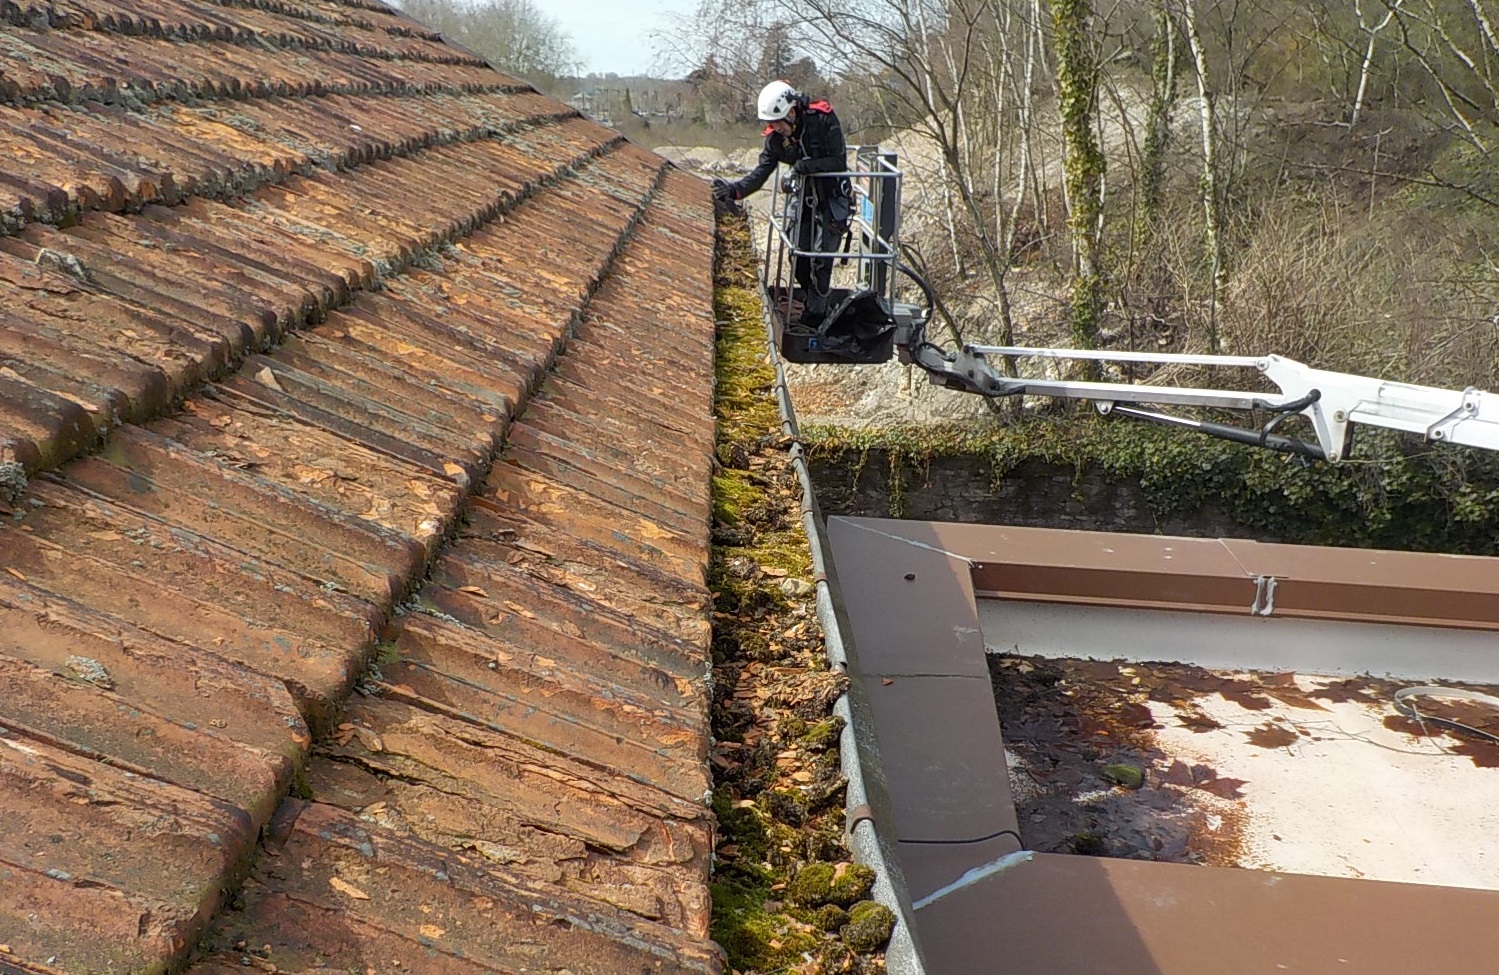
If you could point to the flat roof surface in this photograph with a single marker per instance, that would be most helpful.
(917, 595)
(1277, 771)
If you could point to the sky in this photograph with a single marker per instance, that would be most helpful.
(614, 35)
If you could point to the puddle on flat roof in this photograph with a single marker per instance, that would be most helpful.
(1277, 771)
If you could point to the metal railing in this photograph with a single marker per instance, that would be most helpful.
(873, 237)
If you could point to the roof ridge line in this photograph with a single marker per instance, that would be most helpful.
(241, 36)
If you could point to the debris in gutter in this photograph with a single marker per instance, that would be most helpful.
(786, 895)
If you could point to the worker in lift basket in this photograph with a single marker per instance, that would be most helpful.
(806, 136)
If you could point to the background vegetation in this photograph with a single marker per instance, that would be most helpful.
(516, 36)
(1312, 178)
(1315, 178)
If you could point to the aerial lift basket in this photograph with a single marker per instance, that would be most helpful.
(864, 322)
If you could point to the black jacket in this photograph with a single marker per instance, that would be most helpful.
(814, 146)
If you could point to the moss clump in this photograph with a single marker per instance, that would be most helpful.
(1125, 774)
(301, 785)
(12, 481)
(869, 926)
(731, 496)
(825, 840)
(830, 917)
(853, 885)
(791, 726)
(825, 883)
(812, 885)
(823, 735)
(1089, 845)
(742, 824)
(785, 806)
(755, 939)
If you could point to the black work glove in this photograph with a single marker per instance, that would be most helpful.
(724, 191)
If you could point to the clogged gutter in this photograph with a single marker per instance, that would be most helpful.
(787, 896)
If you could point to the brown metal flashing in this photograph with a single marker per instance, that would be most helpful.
(974, 899)
(1126, 917)
(1224, 576)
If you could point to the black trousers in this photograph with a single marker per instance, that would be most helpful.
(821, 228)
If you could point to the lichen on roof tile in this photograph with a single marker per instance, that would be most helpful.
(320, 478)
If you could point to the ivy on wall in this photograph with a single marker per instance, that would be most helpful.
(1393, 493)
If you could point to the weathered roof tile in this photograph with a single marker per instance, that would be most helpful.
(44, 428)
(375, 257)
(362, 876)
(561, 711)
(183, 586)
(612, 527)
(604, 807)
(66, 705)
(104, 869)
(182, 683)
(204, 495)
(326, 468)
(558, 626)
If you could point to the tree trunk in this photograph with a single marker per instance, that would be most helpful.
(1083, 163)
(1368, 61)
(1212, 218)
(1158, 122)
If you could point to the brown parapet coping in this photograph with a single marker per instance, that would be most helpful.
(1224, 576)
(933, 753)
(1060, 914)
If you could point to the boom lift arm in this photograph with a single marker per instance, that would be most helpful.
(1334, 402)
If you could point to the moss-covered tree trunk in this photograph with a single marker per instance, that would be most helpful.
(1077, 90)
(1163, 61)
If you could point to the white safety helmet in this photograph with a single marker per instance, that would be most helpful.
(776, 100)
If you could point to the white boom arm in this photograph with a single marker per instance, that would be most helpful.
(1332, 401)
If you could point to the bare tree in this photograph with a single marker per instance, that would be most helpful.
(1212, 211)
(514, 35)
(729, 49)
(954, 71)
(1163, 68)
(1373, 30)
(1457, 45)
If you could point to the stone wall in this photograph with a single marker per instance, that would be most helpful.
(963, 489)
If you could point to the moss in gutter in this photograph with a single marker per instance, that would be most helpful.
(777, 796)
